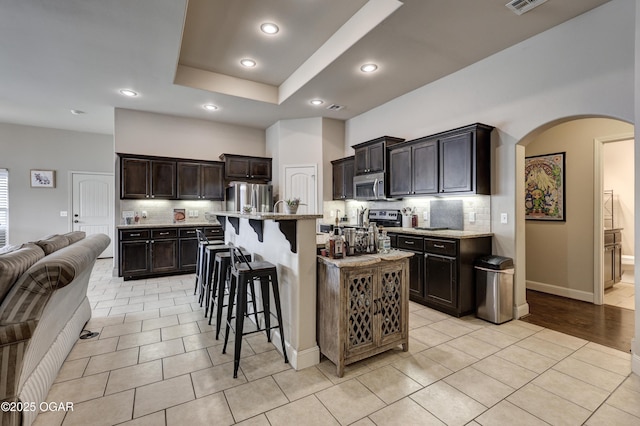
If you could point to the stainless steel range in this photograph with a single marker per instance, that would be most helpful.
(387, 218)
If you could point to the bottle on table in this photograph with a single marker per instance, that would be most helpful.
(336, 245)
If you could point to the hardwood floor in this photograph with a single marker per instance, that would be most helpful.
(604, 324)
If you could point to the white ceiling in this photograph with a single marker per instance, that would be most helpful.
(58, 55)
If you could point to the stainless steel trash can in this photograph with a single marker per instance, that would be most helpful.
(494, 288)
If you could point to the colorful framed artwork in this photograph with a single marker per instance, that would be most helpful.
(43, 178)
(544, 178)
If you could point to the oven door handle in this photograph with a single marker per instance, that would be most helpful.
(375, 188)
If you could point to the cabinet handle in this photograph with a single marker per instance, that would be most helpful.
(153, 196)
(409, 242)
(191, 232)
(146, 242)
(134, 235)
(438, 246)
(146, 196)
(164, 233)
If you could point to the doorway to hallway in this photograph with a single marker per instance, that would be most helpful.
(617, 162)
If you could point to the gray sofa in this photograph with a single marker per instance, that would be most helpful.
(43, 309)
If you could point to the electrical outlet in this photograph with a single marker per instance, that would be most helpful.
(503, 218)
(144, 214)
(425, 216)
(472, 217)
(63, 214)
(195, 213)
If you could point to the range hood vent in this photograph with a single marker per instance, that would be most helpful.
(521, 6)
(334, 107)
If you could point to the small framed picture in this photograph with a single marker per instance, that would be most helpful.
(545, 187)
(43, 178)
(179, 215)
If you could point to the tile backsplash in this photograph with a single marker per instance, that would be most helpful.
(161, 211)
(480, 205)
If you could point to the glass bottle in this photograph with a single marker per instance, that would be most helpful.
(336, 245)
(386, 242)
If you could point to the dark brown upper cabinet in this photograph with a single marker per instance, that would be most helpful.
(343, 170)
(147, 178)
(200, 180)
(371, 156)
(453, 162)
(465, 160)
(246, 167)
(413, 168)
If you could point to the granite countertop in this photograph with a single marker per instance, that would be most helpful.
(445, 233)
(364, 259)
(168, 225)
(267, 215)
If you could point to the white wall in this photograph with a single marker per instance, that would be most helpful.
(146, 133)
(582, 67)
(35, 212)
(618, 176)
(332, 149)
(307, 141)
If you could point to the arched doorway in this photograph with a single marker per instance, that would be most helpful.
(565, 258)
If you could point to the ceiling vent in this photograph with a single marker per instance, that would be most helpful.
(334, 107)
(521, 6)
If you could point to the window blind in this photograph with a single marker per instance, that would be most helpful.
(4, 207)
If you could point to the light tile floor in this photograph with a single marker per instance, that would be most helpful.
(622, 294)
(156, 362)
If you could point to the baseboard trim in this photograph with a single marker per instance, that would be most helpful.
(299, 360)
(628, 259)
(561, 291)
(521, 310)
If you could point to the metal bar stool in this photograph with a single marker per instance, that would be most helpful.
(243, 273)
(203, 241)
(205, 289)
(222, 273)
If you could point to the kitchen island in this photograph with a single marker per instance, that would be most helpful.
(289, 242)
(363, 306)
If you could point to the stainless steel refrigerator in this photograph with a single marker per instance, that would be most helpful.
(256, 195)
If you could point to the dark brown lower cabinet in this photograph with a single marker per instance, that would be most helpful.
(440, 281)
(612, 269)
(441, 273)
(153, 252)
(187, 249)
(164, 256)
(134, 258)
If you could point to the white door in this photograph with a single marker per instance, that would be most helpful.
(300, 182)
(92, 205)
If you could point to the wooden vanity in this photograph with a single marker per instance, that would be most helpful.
(362, 306)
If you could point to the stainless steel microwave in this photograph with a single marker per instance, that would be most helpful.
(369, 187)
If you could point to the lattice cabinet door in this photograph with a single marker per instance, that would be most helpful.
(391, 307)
(360, 300)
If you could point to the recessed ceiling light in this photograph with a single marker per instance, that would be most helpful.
(316, 102)
(249, 63)
(128, 92)
(210, 107)
(77, 112)
(368, 68)
(269, 28)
